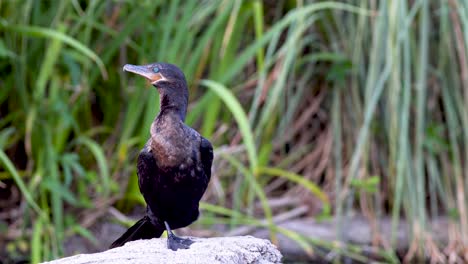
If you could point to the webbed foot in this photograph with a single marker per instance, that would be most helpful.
(174, 242)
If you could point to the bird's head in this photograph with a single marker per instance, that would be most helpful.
(161, 75)
(171, 84)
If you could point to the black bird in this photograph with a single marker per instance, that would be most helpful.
(174, 167)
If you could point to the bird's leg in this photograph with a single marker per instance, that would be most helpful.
(174, 242)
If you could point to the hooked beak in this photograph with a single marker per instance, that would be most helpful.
(145, 71)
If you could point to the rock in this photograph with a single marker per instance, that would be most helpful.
(241, 249)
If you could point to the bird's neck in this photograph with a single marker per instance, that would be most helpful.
(172, 103)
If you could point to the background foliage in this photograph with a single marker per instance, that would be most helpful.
(335, 107)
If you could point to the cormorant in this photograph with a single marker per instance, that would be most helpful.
(174, 167)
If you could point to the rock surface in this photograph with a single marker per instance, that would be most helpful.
(241, 249)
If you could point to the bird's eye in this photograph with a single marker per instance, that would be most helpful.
(155, 69)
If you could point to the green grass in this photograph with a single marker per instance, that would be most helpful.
(354, 106)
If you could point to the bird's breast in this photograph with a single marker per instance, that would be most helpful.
(175, 148)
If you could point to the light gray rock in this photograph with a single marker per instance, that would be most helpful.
(241, 249)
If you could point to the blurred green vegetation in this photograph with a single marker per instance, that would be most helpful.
(353, 106)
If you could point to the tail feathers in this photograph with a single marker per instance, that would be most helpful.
(143, 229)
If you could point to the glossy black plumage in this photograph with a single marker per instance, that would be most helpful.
(174, 167)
